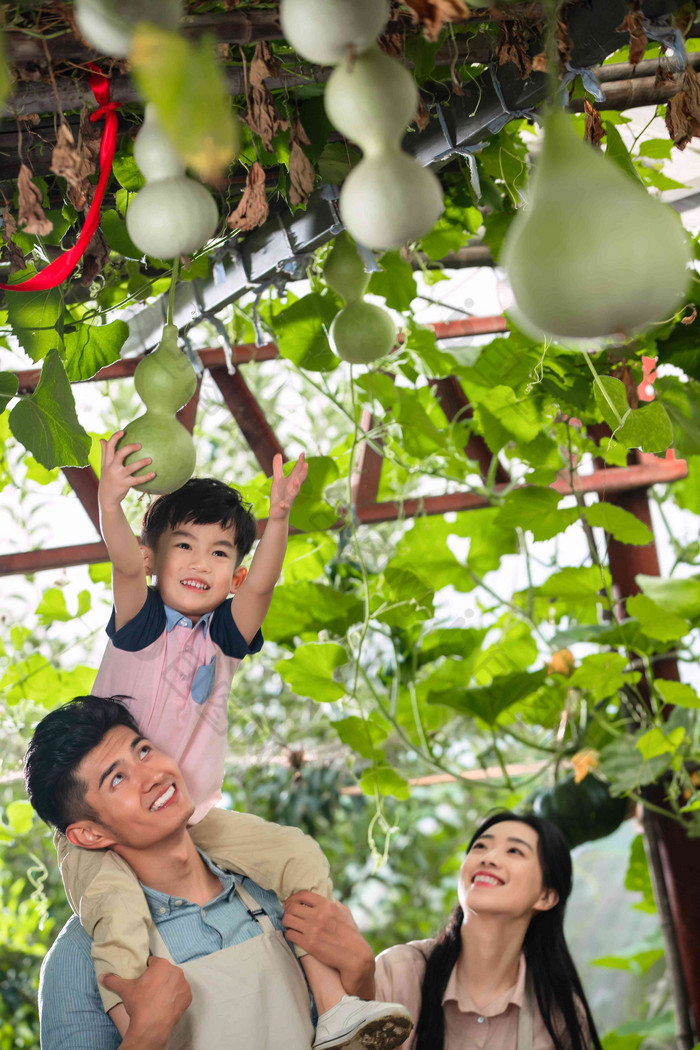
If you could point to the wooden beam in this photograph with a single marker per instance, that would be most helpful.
(616, 479)
(455, 405)
(365, 481)
(249, 415)
(188, 413)
(84, 482)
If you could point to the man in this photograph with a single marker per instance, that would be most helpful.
(91, 773)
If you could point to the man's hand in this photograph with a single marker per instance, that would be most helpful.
(155, 1002)
(115, 478)
(285, 490)
(327, 930)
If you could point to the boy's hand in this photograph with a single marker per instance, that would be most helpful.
(285, 490)
(115, 478)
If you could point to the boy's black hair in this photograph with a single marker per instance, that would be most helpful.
(61, 741)
(202, 501)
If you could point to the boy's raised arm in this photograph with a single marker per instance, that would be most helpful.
(254, 595)
(128, 573)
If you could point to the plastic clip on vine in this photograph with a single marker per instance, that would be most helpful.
(592, 256)
(388, 198)
(361, 332)
(165, 381)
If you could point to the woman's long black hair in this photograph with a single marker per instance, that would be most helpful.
(550, 967)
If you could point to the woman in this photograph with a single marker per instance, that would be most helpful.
(500, 976)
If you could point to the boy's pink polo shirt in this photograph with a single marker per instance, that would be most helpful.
(176, 680)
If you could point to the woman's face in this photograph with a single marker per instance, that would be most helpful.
(501, 873)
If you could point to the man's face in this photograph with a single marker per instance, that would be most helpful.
(136, 791)
(196, 567)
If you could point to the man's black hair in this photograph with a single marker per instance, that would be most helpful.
(61, 741)
(201, 501)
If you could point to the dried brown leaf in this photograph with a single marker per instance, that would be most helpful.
(11, 252)
(9, 225)
(302, 173)
(31, 216)
(432, 14)
(683, 111)
(96, 255)
(633, 24)
(263, 116)
(68, 160)
(422, 117)
(565, 44)
(594, 126)
(689, 318)
(512, 46)
(539, 63)
(252, 208)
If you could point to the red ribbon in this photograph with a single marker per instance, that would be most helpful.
(62, 267)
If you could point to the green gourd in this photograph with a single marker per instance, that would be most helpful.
(172, 214)
(389, 198)
(165, 381)
(592, 255)
(361, 332)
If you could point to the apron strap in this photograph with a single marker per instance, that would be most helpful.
(254, 909)
(526, 1020)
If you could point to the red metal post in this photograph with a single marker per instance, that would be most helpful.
(249, 415)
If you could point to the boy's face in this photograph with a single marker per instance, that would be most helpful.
(196, 567)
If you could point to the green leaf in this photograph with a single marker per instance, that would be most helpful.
(302, 608)
(20, 816)
(311, 512)
(8, 388)
(622, 525)
(383, 780)
(363, 735)
(35, 471)
(637, 960)
(53, 606)
(536, 509)
(449, 641)
(677, 693)
(647, 428)
(656, 621)
(395, 282)
(682, 404)
(310, 671)
(421, 437)
(101, 572)
(638, 879)
(655, 742)
(681, 597)
(184, 81)
(624, 768)
(488, 701)
(602, 674)
(46, 422)
(114, 229)
(302, 332)
(657, 149)
(445, 237)
(337, 161)
(618, 152)
(409, 597)
(126, 171)
(573, 584)
(92, 346)
(35, 318)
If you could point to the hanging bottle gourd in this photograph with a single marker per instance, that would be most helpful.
(388, 198)
(592, 255)
(361, 332)
(172, 214)
(321, 31)
(108, 25)
(165, 381)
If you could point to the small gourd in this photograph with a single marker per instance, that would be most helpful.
(321, 31)
(592, 255)
(108, 25)
(389, 197)
(172, 214)
(361, 332)
(165, 381)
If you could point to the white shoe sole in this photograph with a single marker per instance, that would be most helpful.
(384, 1033)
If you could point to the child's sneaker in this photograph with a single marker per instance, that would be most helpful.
(362, 1024)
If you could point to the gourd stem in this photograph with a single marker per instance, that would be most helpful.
(551, 50)
(173, 282)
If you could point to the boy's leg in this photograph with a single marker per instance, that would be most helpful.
(278, 858)
(285, 860)
(106, 896)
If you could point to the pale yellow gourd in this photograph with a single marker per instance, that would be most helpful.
(165, 381)
(172, 214)
(321, 31)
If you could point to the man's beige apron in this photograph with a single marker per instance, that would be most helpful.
(526, 1020)
(251, 996)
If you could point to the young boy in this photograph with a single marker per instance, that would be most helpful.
(172, 654)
